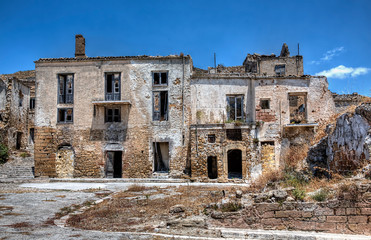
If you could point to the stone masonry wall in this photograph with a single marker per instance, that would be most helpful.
(201, 149)
(350, 215)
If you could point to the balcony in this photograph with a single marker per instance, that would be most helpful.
(110, 103)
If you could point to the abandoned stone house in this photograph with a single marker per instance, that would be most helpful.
(147, 116)
(17, 109)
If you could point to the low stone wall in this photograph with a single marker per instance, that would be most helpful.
(347, 216)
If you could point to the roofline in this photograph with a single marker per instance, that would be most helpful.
(249, 76)
(110, 58)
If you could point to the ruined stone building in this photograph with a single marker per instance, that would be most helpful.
(17, 109)
(147, 116)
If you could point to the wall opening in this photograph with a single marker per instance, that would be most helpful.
(268, 155)
(64, 162)
(161, 156)
(19, 140)
(297, 105)
(235, 163)
(212, 167)
(32, 135)
(234, 134)
(114, 164)
(160, 106)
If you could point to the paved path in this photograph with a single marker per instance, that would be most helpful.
(25, 210)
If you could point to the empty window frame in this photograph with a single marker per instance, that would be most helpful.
(65, 88)
(113, 87)
(211, 138)
(160, 78)
(235, 108)
(234, 134)
(32, 103)
(112, 115)
(251, 67)
(264, 104)
(297, 105)
(279, 70)
(20, 98)
(160, 106)
(65, 115)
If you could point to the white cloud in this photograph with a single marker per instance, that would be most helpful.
(331, 53)
(327, 56)
(342, 72)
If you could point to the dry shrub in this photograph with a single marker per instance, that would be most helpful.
(263, 180)
(136, 188)
(348, 191)
(295, 156)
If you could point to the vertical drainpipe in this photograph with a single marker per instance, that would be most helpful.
(183, 64)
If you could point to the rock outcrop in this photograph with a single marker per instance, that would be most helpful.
(347, 146)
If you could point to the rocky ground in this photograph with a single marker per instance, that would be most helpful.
(126, 210)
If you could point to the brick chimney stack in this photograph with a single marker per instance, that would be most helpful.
(80, 46)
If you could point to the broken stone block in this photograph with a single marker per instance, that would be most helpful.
(177, 208)
(279, 194)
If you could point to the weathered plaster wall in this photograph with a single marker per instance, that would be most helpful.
(136, 132)
(209, 101)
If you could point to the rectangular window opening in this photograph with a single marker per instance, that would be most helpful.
(297, 106)
(160, 106)
(235, 108)
(279, 70)
(264, 104)
(65, 115)
(160, 78)
(65, 91)
(161, 156)
(32, 103)
(32, 135)
(112, 115)
(113, 87)
(234, 134)
(211, 138)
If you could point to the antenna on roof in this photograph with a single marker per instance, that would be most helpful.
(215, 60)
(298, 49)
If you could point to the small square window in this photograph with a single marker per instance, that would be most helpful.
(159, 78)
(279, 70)
(264, 104)
(112, 115)
(211, 138)
(65, 115)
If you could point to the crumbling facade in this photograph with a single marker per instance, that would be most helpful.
(261, 103)
(17, 104)
(112, 116)
(145, 116)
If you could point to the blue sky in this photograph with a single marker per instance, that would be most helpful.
(334, 36)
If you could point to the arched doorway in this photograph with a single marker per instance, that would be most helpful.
(64, 163)
(235, 163)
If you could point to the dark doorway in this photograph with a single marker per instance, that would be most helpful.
(234, 163)
(212, 167)
(19, 140)
(161, 156)
(114, 164)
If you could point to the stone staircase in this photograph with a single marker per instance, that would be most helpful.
(17, 168)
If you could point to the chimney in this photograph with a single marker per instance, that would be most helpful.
(80, 46)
